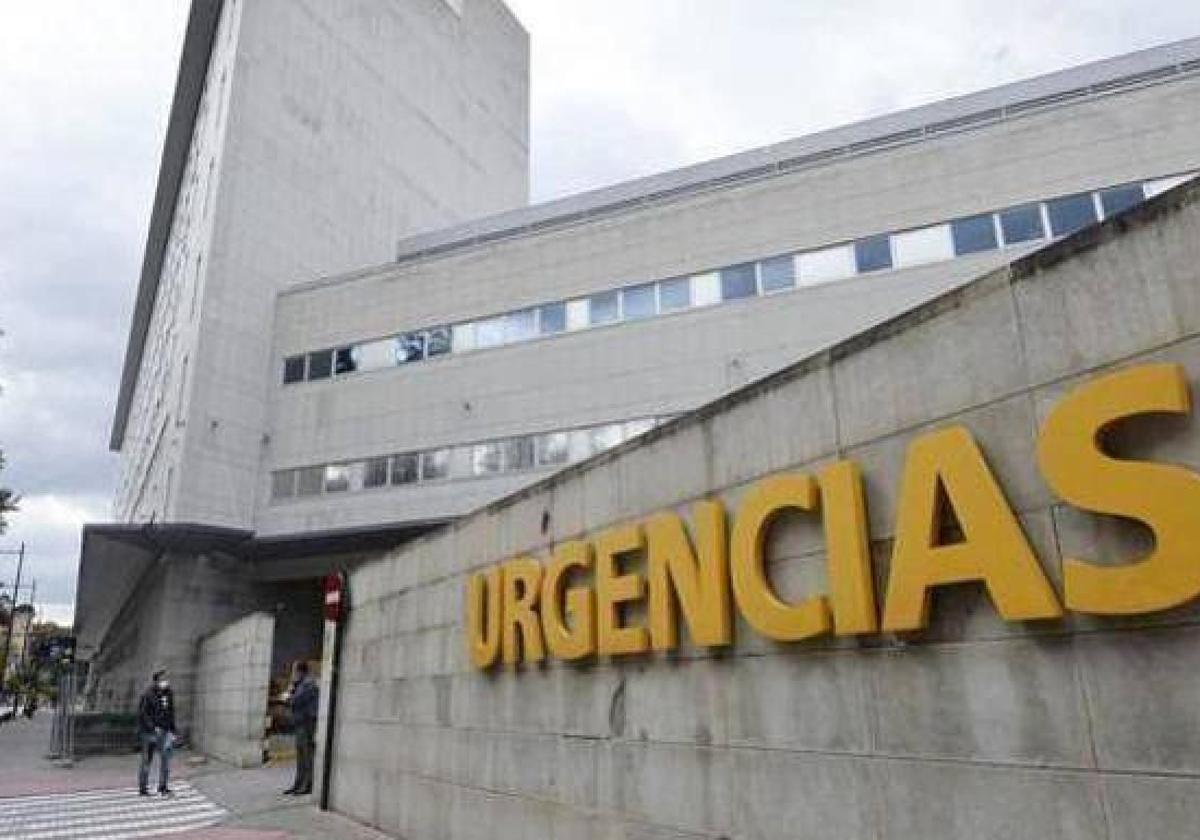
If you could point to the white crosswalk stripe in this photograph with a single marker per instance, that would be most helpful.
(106, 814)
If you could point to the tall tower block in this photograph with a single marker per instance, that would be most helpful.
(305, 138)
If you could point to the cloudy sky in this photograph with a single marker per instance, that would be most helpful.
(620, 88)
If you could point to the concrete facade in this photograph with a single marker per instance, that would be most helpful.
(1106, 135)
(315, 135)
(1073, 728)
(233, 677)
(308, 137)
(180, 599)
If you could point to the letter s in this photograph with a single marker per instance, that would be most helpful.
(1165, 497)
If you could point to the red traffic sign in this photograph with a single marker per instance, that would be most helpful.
(335, 597)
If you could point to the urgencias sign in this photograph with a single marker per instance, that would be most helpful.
(572, 607)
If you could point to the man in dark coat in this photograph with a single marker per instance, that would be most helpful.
(156, 732)
(303, 705)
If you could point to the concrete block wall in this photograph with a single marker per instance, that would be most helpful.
(1077, 728)
(230, 694)
(183, 597)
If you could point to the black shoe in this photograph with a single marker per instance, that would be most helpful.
(304, 792)
(143, 792)
(290, 791)
(166, 791)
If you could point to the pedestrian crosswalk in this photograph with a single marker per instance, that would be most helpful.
(106, 814)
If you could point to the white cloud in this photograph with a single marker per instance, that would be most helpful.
(716, 77)
(49, 525)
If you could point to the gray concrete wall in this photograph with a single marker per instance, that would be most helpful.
(233, 670)
(327, 131)
(121, 669)
(678, 362)
(182, 598)
(1076, 729)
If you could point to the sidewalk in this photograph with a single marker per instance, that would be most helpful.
(251, 799)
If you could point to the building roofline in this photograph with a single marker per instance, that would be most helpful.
(189, 88)
(960, 113)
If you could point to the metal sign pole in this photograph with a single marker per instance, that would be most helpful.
(336, 609)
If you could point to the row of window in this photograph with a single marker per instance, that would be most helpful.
(489, 458)
(1012, 226)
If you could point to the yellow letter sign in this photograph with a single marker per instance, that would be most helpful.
(1163, 496)
(993, 548)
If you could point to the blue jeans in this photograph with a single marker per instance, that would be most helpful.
(162, 741)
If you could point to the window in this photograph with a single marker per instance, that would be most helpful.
(738, 281)
(320, 364)
(577, 314)
(553, 448)
(675, 294)
(344, 361)
(375, 474)
(486, 459)
(283, 484)
(873, 253)
(1161, 185)
(706, 289)
(463, 337)
(602, 308)
(552, 318)
(490, 332)
(633, 428)
(337, 478)
(375, 355)
(410, 347)
(922, 246)
(973, 234)
(438, 342)
(520, 325)
(518, 453)
(293, 369)
(1121, 198)
(310, 481)
(580, 446)
(435, 464)
(1070, 214)
(778, 273)
(405, 468)
(638, 302)
(606, 437)
(1022, 224)
(826, 264)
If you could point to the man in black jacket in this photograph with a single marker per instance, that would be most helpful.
(303, 704)
(156, 731)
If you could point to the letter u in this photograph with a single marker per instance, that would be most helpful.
(483, 617)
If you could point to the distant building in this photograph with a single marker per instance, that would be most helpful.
(301, 393)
